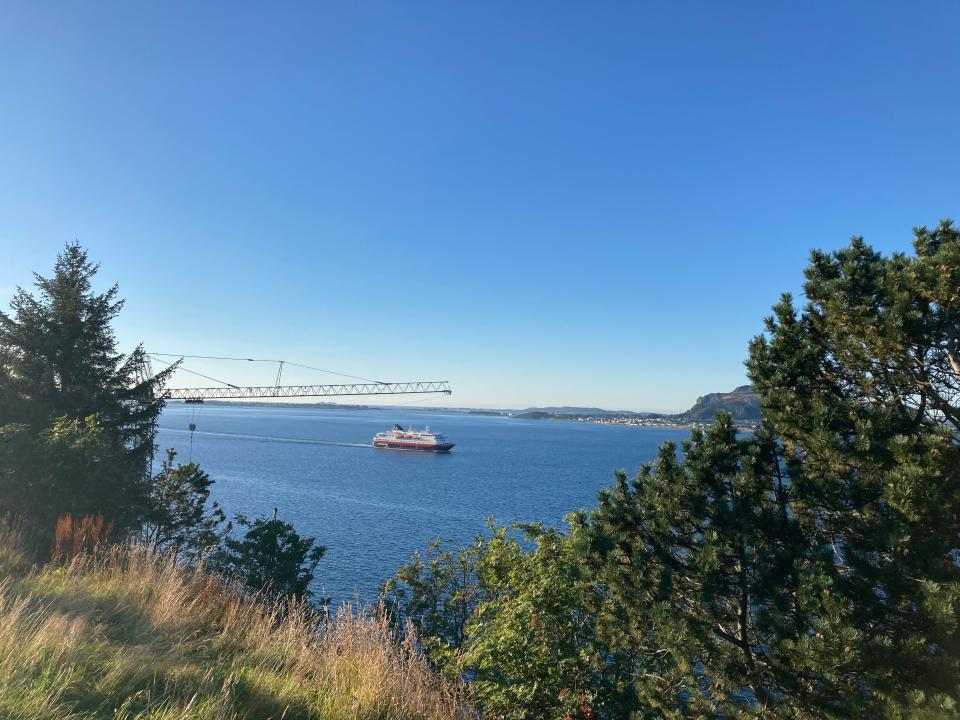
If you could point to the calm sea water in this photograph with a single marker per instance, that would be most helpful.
(372, 507)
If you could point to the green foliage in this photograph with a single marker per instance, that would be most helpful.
(701, 576)
(532, 651)
(809, 570)
(72, 467)
(862, 388)
(180, 520)
(507, 613)
(438, 591)
(77, 426)
(271, 557)
(60, 371)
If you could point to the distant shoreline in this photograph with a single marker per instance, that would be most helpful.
(647, 420)
(749, 426)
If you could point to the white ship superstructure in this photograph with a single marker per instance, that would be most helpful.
(400, 439)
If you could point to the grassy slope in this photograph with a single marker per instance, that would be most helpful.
(134, 636)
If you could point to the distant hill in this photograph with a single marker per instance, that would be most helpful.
(741, 403)
(566, 410)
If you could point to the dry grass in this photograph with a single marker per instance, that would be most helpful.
(130, 635)
(74, 537)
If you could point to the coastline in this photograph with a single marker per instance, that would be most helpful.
(649, 420)
(750, 426)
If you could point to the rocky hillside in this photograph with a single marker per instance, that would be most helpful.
(741, 403)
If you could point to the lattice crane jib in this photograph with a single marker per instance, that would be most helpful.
(234, 392)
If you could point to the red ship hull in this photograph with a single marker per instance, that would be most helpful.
(422, 447)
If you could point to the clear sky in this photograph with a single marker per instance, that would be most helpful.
(583, 203)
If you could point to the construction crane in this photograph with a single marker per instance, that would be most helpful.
(229, 391)
(234, 392)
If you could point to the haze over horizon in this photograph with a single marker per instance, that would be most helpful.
(545, 205)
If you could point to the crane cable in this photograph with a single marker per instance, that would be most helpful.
(192, 427)
(192, 372)
(283, 362)
(432, 396)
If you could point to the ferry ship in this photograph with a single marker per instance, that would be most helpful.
(400, 439)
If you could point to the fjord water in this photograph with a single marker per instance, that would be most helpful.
(372, 507)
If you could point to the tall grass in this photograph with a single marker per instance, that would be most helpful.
(84, 535)
(127, 634)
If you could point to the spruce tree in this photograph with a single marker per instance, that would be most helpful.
(70, 468)
(59, 358)
(83, 414)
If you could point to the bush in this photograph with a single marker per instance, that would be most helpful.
(271, 557)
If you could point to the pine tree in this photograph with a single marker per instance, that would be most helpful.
(861, 386)
(270, 557)
(83, 415)
(810, 570)
(700, 578)
(58, 358)
(179, 519)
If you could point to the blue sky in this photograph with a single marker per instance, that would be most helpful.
(544, 203)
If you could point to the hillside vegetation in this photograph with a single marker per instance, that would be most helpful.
(803, 571)
(132, 635)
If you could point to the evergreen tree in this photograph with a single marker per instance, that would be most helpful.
(701, 580)
(58, 358)
(271, 557)
(810, 570)
(861, 386)
(179, 520)
(71, 468)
